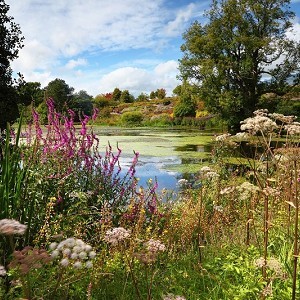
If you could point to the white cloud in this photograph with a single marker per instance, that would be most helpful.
(73, 63)
(43, 77)
(35, 55)
(176, 27)
(138, 80)
(294, 34)
(70, 27)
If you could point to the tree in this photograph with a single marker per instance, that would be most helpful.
(152, 95)
(116, 95)
(29, 92)
(11, 42)
(100, 101)
(126, 97)
(32, 91)
(186, 106)
(243, 43)
(161, 93)
(142, 97)
(82, 104)
(177, 90)
(61, 93)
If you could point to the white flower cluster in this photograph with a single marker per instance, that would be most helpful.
(208, 173)
(280, 158)
(240, 136)
(218, 208)
(259, 262)
(155, 246)
(116, 235)
(211, 175)
(2, 271)
(282, 118)
(275, 265)
(249, 187)
(173, 297)
(73, 252)
(246, 189)
(258, 123)
(293, 129)
(261, 112)
(222, 137)
(272, 263)
(269, 191)
(227, 190)
(10, 227)
(205, 169)
(183, 183)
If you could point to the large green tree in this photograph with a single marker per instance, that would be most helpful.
(32, 91)
(61, 93)
(126, 97)
(82, 104)
(239, 54)
(11, 41)
(116, 95)
(187, 105)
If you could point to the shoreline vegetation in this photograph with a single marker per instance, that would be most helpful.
(71, 227)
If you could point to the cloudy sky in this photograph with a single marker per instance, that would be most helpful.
(97, 45)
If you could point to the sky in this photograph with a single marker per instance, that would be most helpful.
(97, 45)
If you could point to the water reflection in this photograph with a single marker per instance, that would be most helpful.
(155, 168)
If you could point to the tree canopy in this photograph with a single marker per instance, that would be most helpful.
(187, 105)
(241, 53)
(61, 93)
(11, 41)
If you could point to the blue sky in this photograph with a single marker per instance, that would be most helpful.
(97, 45)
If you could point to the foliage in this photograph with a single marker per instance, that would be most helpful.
(160, 120)
(126, 97)
(82, 104)
(186, 106)
(116, 95)
(142, 97)
(100, 101)
(228, 56)
(159, 94)
(132, 118)
(32, 91)
(61, 93)
(11, 42)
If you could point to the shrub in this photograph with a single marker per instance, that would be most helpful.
(160, 120)
(132, 118)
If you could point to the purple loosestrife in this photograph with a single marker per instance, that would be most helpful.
(38, 130)
(70, 157)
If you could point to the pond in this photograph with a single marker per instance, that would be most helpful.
(165, 154)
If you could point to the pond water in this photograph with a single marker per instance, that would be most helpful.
(166, 155)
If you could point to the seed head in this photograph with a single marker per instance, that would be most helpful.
(11, 227)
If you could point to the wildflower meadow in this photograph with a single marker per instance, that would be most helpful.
(73, 227)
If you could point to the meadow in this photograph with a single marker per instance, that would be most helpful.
(74, 225)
